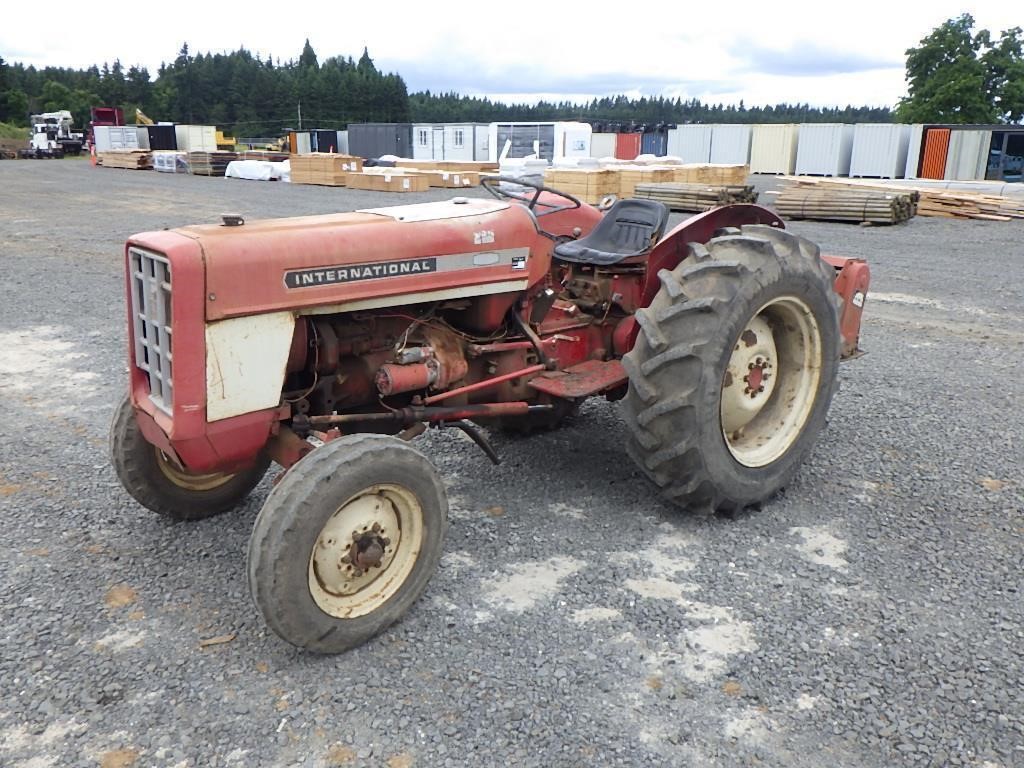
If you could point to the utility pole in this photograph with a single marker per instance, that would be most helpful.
(300, 115)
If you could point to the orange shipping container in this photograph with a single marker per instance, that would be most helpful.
(936, 147)
(627, 146)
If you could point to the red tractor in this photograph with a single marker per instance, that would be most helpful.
(327, 343)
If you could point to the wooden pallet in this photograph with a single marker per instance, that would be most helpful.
(388, 180)
(328, 170)
(210, 163)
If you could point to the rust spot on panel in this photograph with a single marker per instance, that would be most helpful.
(748, 337)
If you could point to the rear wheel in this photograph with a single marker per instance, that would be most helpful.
(734, 369)
(347, 542)
(158, 484)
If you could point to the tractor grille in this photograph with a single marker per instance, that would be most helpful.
(151, 313)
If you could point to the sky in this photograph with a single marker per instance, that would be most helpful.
(822, 53)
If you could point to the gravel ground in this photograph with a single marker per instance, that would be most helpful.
(870, 615)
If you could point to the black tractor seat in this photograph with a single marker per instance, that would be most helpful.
(629, 228)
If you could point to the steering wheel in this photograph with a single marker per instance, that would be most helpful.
(532, 200)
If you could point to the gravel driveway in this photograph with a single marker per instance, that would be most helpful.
(870, 615)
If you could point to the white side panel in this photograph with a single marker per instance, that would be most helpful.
(691, 143)
(730, 144)
(481, 143)
(455, 150)
(572, 140)
(773, 148)
(914, 151)
(603, 145)
(302, 143)
(245, 363)
(142, 137)
(342, 142)
(422, 141)
(967, 157)
(880, 150)
(101, 135)
(824, 149)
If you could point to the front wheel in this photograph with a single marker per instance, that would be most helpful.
(347, 542)
(734, 369)
(158, 484)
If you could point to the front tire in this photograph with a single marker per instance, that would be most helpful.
(153, 480)
(347, 542)
(734, 369)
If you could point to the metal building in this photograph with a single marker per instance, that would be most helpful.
(450, 141)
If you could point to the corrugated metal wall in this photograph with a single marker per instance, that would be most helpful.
(691, 143)
(967, 158)
(655, 143)
(773, 148)
(880, 150)
(824, 149)
(730, 144)
(376, 139)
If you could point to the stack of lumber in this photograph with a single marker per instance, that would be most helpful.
(931, 201)
(324, 169)
(718, 174)
(132, 159)
(209, 163)
(387, 180)
(631, 175)
(587, 185)
(461, 166)
(447, 179)
(695, 197)
(827, 203)
(263, 154)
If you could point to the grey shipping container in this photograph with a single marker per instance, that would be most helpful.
(375, 139)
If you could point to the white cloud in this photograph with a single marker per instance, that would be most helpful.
(713, 51)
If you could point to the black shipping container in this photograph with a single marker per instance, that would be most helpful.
(162, 137)
(375, 139)
(322, 140)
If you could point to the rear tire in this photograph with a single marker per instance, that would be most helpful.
(159, 485)
(359, 496)
(734, 369)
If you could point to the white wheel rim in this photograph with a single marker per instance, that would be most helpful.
(366, 551)
(771, 383)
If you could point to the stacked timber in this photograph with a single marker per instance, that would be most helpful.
(460, 166)
(387, 180)
(210, 163)
(446, 179)
(931, 201)
(631, 175)
(590, 186)
(695, 197)
(871, 206)
(131, 159)
(324, 169)
(718, 174)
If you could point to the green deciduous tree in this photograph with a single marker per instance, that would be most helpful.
(956, 75)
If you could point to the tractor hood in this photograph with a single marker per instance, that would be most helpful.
(370, 258)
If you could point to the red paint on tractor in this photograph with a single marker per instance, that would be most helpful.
(852, 278)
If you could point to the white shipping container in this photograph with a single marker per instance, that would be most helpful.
(446, 141)
(730, 144)
(773, 148)
(967, 156)
(824, 149)
(602, 145)
(880, 150)
(112, 137)
(196, 138)
(342, 144)
(691, 143)
(914, 151)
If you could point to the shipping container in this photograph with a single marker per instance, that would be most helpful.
(915, 151)
(324, 141)
(113, 137)
(824, 149)
(161, 137)
(880, 150)
(196, 138)
(691, 143)
(449, 141)
(967, 158)
(548, 141)
(342, 142)
(773, 148)
(932, 163)
(602, 145)
(730, 144)
(654, 143)
(372, 140)
(627, 145)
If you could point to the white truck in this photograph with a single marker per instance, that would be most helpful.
(53, 136)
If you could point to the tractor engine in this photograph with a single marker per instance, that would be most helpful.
(597, 289)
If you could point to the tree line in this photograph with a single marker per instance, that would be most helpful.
(955, 75)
